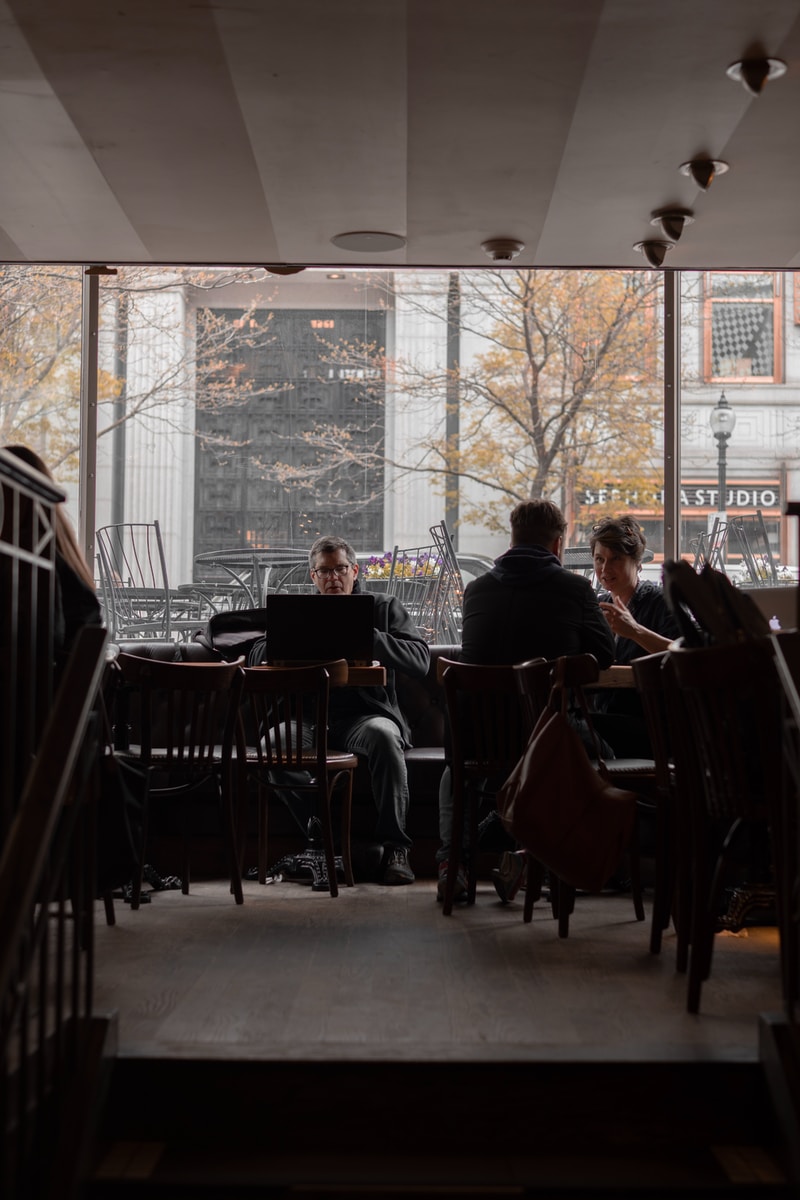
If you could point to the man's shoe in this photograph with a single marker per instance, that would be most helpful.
(397, 870)
(461, 893)
(509, 877)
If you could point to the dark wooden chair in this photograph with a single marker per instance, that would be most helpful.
(787, 662)
(282, 743)
(187, 718)
(488, 731)
(536, 680)
(649, 673)
(731, 700)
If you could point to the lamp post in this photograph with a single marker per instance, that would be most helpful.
(722, 421)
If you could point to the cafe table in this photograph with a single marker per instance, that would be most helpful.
(252, 570)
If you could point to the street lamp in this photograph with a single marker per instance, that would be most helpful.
(722, 421)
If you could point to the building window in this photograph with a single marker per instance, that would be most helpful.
(742, 326)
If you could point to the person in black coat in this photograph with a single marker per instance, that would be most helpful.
(367, 720)
(527, 606)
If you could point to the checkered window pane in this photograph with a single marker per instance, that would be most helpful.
(742, 340)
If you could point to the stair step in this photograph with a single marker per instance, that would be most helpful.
(499, 1129)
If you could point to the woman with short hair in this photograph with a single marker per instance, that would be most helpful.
(640, 620)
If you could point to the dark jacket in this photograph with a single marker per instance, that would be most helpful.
(648, 606)
(398, 646)
(530, 606)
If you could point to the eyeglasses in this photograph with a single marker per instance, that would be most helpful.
(326, 572)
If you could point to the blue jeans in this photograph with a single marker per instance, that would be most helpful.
(379, 741)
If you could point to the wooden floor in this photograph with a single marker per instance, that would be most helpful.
(379, 972)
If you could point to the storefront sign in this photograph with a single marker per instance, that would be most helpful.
(693, 495)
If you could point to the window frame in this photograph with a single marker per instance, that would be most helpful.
(777, 327)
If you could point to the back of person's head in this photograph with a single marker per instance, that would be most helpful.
(31, 458)
(536, 523)
(621, 534)
(330, 544)
(66, 541)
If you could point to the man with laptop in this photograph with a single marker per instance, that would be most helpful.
(367, 720)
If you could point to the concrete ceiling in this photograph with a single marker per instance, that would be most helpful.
(253, 131)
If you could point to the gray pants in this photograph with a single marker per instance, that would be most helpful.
(380, 742)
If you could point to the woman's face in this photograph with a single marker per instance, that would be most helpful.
(616, 572)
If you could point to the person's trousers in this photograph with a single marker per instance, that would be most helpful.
(380, 742)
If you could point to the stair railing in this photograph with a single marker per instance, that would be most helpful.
(48, 771)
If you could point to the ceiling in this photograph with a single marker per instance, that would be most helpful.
(253, 131)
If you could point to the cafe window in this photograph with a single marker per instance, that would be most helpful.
(742, 326)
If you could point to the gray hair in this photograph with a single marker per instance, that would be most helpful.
(330, 544)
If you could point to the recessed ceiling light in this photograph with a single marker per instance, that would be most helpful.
(753, 73)
(368, 242)
(502, 249)
(336, 275)
(704, 170)
(672, 221)
(654, 251)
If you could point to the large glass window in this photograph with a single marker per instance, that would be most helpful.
(739, 445)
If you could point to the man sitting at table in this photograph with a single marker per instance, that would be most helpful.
(367, 720)
(527, 606)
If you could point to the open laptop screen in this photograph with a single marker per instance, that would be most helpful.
(315, 628)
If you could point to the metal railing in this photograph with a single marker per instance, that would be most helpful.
(48, 1039)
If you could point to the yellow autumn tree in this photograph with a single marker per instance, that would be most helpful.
(554, 392)
(562, 396)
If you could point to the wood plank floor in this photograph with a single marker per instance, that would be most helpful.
(380, 973)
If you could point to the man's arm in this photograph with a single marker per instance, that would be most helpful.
(399, 644)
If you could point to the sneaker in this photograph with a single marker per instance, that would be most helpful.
(461, 893)
(397, 869)
(509, 877)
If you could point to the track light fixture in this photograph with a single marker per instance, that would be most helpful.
(654, 251)
(704, 170)
(753, 73)
(672, 221)
(502, 249)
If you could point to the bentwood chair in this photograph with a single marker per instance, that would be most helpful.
(732, 704)
(787, 663)
(650, 674)
(488, 732)
(535, 680)
(282, 744)
(187, 715)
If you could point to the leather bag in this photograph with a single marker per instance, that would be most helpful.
(562, 807)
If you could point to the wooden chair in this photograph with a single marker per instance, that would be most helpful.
(649, 673)
(187, 719)
(787, 662)
(283, 732)
(731, 698)
(488, 732)
(535, 680)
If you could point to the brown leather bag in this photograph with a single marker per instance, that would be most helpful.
(562, 808)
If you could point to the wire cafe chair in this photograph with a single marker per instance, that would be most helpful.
(134, 585)
(427, 582)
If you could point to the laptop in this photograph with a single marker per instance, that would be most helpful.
(312, 628)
